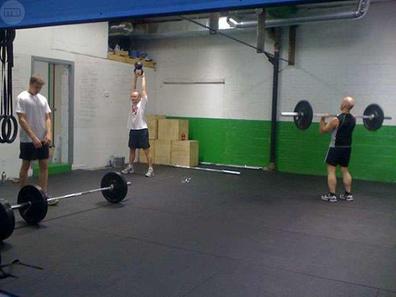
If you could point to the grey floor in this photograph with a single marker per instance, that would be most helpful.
(257, 234)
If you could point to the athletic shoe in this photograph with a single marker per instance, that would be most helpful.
(346, 197)
(128, 170)
(329, 197)
(150, 172)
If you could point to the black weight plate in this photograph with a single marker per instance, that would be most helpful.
(305, 111)
(37, 211)
(120, 187)
(7, 220)
(376, 122)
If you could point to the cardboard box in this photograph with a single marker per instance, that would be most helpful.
(172, 129)
(152, 123)
(154, 116)
(185, 152)
(142, 156)
(162, 151)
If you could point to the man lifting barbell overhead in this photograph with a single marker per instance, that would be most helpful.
(138, 129)
(341, 128)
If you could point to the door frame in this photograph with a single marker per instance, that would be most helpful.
(70, 65)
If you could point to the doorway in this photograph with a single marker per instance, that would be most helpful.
(58, 89)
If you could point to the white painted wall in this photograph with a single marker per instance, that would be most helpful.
(333, 59)
(101, 90)
(247, 76)
(346, 58)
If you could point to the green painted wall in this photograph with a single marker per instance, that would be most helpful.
(238, 142)
(245, 142)
(373, 153)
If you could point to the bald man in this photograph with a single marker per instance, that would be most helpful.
(138, 129)
(339, 153)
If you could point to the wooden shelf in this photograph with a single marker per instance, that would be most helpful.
(128, 60)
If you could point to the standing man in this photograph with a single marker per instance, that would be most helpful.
(138, 129)
(34, 116)
(339, 153)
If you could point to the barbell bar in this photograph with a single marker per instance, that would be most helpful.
(33, 202)
(326, 115)
(373, 116)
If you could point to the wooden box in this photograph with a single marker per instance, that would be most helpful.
(172, 129)
(142, 155)
(152, 123)
(162, 151)
(185, 152)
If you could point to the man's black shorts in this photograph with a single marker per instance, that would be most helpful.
(28, 152)
(139, 139)
(338, 156)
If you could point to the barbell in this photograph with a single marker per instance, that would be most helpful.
(33, 202)
(373, 116)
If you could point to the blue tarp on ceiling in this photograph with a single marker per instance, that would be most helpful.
(38, 13)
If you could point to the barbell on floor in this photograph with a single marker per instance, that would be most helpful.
(373, 116)
(33, 202)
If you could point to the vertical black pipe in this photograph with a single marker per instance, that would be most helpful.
(275, 84)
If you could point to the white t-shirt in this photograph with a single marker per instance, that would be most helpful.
(35, 108)
(136, 119)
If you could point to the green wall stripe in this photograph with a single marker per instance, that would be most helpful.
(373, 153)
(238, 142)
(246, 142)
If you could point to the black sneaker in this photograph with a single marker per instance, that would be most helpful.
(329, 197)
(346, 197)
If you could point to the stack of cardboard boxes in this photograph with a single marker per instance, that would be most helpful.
(169, 142)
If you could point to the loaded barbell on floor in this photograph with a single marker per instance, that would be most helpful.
(373, 116)
(33, 202)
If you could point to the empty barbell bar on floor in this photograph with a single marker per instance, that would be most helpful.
(209, 169)
(373, 116)
(33, 202)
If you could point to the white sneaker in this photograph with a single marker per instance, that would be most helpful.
(128, 170)
(346, 197)
(150, 172)
(329, 197)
